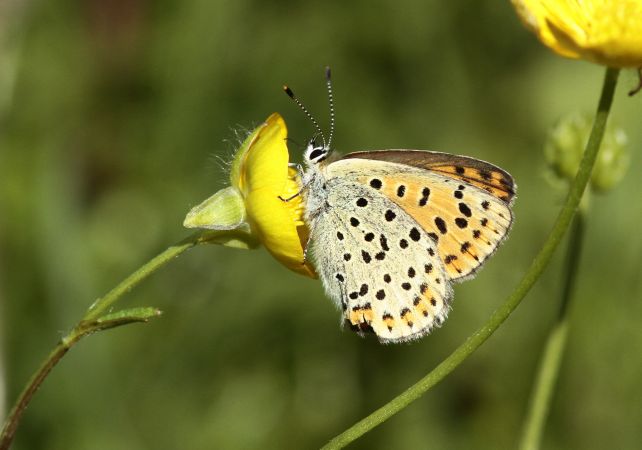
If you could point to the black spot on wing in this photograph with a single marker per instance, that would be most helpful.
(384, 243)
(461, 222)
(465, 210)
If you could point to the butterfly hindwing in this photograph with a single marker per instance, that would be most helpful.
(466, 218)
(378, 263)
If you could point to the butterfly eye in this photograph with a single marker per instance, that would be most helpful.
(316, 153)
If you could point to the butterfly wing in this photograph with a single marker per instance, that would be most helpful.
(484, 175)
(377, 263)
(463, 204)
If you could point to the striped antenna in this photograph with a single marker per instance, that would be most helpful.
(328, 82)
(306, 112)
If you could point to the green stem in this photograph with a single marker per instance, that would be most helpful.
(501, 314)
(555, 345)
(90, 323)
(142, 273)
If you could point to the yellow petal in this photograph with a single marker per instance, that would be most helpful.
(264, 177)
(602, 31)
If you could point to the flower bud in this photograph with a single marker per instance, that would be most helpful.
(565, 146)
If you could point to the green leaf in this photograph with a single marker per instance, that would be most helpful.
(122, 317)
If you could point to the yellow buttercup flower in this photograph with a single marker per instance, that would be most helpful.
(251, 210)
(607, 32)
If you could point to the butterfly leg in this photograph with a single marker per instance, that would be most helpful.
(291, 197)
(303, 188)
(299, 169)
(639, 86)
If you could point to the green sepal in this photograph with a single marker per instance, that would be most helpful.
(239, 238)
(224, 210)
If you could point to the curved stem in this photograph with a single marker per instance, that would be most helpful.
(90, 323)
(556, 342)
(30, 389)
(532, 274)
(139, 275)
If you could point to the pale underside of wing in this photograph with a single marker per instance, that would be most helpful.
(465, 219)
(378, 264)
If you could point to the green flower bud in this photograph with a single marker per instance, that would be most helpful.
(565, 146)
(612, 161)
(224, 210)
(224, 214)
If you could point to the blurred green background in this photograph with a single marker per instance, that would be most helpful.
(114, 118)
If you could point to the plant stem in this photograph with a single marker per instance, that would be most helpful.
(555, 344)
(139, 275)
(91, 323)
(530, 277)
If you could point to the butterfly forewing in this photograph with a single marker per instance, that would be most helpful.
(467, 217)
(378, 263)
(486, 176)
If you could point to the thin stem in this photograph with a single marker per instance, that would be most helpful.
(573, 255)
(11, 424)
(556, 342)
(530, 277)
(90, 323)
(139, 275)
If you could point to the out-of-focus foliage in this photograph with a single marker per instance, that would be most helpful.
(117, 117)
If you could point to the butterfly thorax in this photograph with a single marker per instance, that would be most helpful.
(314, 180)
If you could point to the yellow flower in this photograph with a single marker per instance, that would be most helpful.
(250, 210)
(607, 32)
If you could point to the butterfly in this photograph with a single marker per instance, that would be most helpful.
(391, 230)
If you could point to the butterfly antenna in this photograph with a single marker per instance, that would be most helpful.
(306, 112)
(328, 82)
